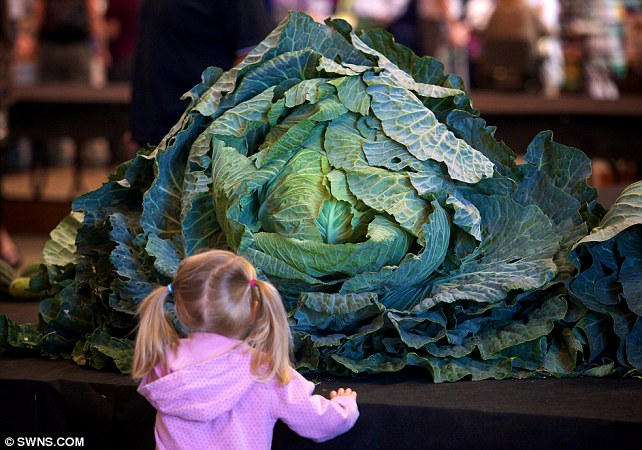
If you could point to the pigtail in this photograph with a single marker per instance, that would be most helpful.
(270, 335)
(155, 333)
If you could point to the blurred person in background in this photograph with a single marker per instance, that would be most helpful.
(121, 22)
(366, 14)
(70, 41)
(67, 35)
(510, 56)
(549, 47)
(440, 26)
(120, 18)
(404, 28)
(5, 65)
(8, 250)
(605, 61)
(477, 15)
(319, 10)
(633, 49)
(443, 34)
(177, 40)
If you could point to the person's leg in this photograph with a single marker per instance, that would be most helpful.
(429, 37)
(77, 60)
(8, 249)
(64, 62)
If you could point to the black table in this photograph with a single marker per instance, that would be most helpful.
(57, 398)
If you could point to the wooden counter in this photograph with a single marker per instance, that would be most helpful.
(517, 103)
(111, 94)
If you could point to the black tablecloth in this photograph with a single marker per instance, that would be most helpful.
(41, 397)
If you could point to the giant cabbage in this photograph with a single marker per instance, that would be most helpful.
(361, 181)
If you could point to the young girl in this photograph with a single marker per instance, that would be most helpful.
(227, 383)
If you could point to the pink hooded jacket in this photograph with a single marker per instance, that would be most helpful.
(207, 398)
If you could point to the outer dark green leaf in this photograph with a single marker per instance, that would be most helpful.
(634, 346)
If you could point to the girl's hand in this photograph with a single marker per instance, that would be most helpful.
(343, 393)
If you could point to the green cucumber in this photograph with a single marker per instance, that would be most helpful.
(19, 288)
(30, 269)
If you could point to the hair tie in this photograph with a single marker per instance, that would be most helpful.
(170, 289)
(252, 282)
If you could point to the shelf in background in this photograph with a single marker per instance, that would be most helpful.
(523, 103)
(113, 93)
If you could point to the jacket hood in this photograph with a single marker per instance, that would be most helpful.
(205, 377)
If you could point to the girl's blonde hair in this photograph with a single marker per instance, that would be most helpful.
(217, 292)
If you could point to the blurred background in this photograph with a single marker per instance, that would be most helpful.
(71, 75)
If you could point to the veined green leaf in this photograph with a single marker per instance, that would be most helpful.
(298, 32)
(386, 244)
(352, 93)
(431, 182)
(492, 342)
(339, 311)
(235, 181)
(166, 254)
(60, 249)
(425, 69)
(200, 230)
(343, 143)
(275, 268)
(413, 270)
(455, 369)
(245, 116)
(310, 91)
(474, 131)
(516, 253)
(330, 66)
(335, 221)
(299, 126)
(162, 202)
(625, 212)
(406, 120)
(391, 192)
(131, 283)
(360, 214)
(402, 78)
(297, 65)
(293, 200)
(566, 167)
